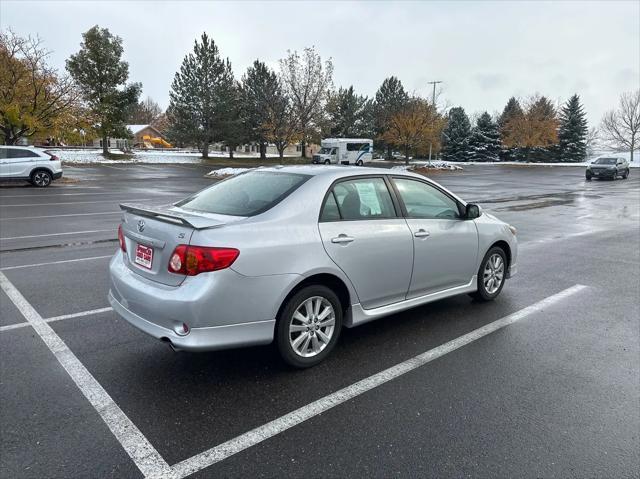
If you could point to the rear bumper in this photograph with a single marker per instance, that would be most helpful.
(202, 339)
(57, 176)
(223, 309)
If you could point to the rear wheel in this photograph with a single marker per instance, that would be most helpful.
(41, 178)
(491, 275)
(309, 326)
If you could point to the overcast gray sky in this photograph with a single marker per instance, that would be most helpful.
(484, 52)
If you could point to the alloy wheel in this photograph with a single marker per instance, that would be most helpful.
(41, 178)
(493, 273)
(312, 326)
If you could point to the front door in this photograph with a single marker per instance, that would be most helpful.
(445, 244)
(364, 236)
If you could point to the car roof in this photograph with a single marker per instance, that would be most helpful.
(336, 171)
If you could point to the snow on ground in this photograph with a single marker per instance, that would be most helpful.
(89, 156)
(226, 172)
(437, 165)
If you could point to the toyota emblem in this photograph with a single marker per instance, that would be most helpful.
(140, 226)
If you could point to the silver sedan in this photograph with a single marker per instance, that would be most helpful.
(293, 254)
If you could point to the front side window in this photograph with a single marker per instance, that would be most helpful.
(425, 201)
(359, 199)
(247, 194)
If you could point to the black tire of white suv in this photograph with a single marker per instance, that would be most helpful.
(41, 178)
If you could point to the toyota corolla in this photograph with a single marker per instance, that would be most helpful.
(292, 254)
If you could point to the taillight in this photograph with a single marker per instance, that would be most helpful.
(123, 245)
(52, 157)
(193, 260)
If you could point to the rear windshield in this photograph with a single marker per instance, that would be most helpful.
(247, 194)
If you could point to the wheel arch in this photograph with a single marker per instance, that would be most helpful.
(40, 168)
(336, 284)
(504, 246)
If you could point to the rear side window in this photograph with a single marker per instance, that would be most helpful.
(247, 194)
(18, 153)
(358, 199)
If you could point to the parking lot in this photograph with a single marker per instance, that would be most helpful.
(542, 382)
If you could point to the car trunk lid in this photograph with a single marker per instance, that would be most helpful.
(153, 232)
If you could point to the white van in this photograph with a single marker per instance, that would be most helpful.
(344, 151)
(38, 167)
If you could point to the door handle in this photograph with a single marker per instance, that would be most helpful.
(421, 233)
(342, 238)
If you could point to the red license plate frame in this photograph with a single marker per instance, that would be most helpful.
(144, 256)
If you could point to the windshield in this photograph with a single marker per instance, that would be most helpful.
(605, 161)
(247, 194)
(325, 150)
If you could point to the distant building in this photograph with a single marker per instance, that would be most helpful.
(144, 136)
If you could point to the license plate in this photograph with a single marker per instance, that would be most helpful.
(144, 256)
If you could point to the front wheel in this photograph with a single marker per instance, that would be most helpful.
(41, 178)
(309, 326)
(588, 177)
(491, 275)
(625, 175)
(360, 163)
(327, 162)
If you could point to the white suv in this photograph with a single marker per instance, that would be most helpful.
(29, 164)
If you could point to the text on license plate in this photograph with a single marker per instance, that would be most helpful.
(144, 256)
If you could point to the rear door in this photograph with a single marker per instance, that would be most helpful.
(22, 161)
(445, 244)
(362, 233)
(150, 244)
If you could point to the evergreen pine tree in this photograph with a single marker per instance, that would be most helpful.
(456, 136)
(390, 99)
(484, 144)
(572, 134)
(346, 112)
(260, 88)
(101, 75)
(202, 97)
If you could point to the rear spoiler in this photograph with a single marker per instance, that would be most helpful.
(166, 214)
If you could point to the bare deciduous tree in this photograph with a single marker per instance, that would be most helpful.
(306, 81)
(620, 127)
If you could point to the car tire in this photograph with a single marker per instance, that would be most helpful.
(41, 178)
(360, 163)
(327, 162)
(291, 322)
(588, 177)
(490, 268)
(626, 174)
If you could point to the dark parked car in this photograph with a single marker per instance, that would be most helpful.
(608, 168)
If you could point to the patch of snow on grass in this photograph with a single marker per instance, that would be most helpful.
(220, 172)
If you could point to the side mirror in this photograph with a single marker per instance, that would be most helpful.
(472, 211)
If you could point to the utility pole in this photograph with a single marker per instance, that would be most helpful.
(433, 102)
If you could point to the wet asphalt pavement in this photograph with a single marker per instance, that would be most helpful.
(556, 394)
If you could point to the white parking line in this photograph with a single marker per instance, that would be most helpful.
(262, 433)
(143, 454)
(81, 314)
(59, 216)
(54, 234)
(35, 265)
